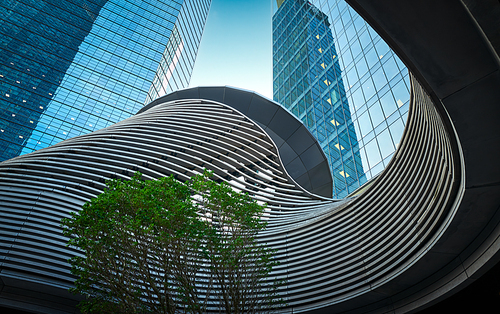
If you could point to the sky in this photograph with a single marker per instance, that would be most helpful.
(236, 47)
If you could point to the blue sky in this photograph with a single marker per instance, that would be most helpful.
(236, 47)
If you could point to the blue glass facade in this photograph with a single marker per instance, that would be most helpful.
(341, 79)
(177, 61)
(72, 67)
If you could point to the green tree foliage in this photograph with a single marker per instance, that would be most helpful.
(164, 246)
(239, 265)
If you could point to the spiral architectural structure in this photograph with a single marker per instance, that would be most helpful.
(426, 227)
(330, 251)
(179, 134)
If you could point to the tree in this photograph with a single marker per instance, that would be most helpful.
(239, 265)
(165, 246)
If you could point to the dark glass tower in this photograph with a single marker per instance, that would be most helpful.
(309, 83)
(34, 57)
(72, 67)
(339, 88)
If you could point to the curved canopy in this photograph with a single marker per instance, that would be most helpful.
(302, 157)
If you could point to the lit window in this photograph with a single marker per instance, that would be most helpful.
(344, 174)
(18, 82)
(339, 147)
(20, 136)
(64, 133)
(323, 65)
(320, 50)
(31, 121)
(1, 75)
(1, 130)
(40, 107)
(330, 102)
(7, 95)
(13, 115)
(327, 82)
(34, 87)
(335, 122)
(72, 118)
(400, 103)
(317, 36)
(24, 100)
(381, 56)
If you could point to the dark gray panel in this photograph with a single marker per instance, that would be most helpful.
(325, 190)
(479, 101)
(304, 181)
(276, 138)
(190, 93)
(284, 124)
(295, 168)
(287, 154)
(320, 175)
(261, 110)
(312, 157)
(263, 126)
(238, 99)
(486, 13)
(212, 93)
(301, 140)
(478, 209)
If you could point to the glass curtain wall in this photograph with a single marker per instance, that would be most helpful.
(177, 62)
(71, 67)
(341, 79)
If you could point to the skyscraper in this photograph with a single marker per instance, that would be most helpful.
(72, 67)
(341, 79)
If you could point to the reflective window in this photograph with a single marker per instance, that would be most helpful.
(349, 88)
(71, 67)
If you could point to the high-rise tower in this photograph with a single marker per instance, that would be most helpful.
(341, 79)
(72, 67)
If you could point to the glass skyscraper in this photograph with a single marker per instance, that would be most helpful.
(341, 79)
(71, 67)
